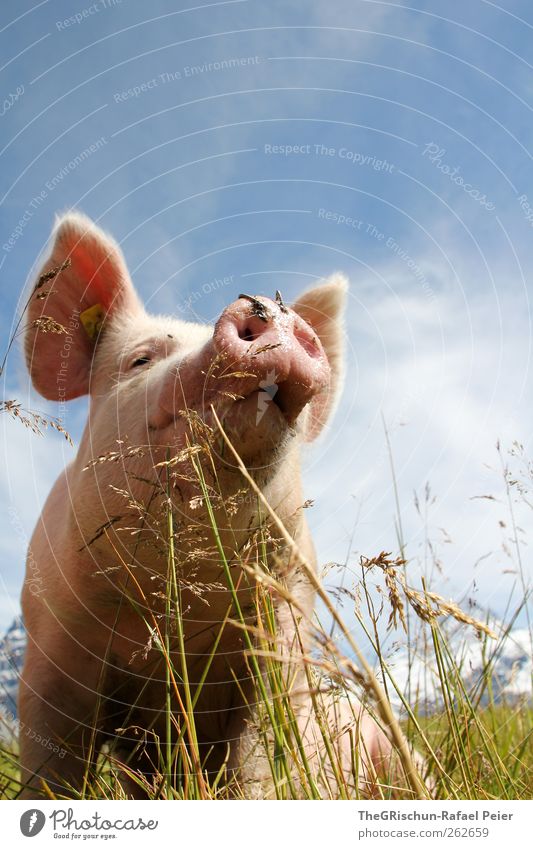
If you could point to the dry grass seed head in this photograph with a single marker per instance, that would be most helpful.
(36, 422)
(47, 324)
(427, 605)
(115, 456)
(52, 273)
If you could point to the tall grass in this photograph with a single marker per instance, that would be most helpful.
(470, 744)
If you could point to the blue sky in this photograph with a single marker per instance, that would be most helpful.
(382, 140)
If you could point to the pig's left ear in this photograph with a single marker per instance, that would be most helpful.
(69, 308)
(323, 308)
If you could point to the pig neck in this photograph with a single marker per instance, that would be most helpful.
(94, 505)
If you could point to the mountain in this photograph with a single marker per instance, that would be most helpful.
(508, 658)
(12, 648)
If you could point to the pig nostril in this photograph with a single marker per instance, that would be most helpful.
(247, 334)
(250, 328)
(309, 343)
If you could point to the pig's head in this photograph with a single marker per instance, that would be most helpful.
(271, 372)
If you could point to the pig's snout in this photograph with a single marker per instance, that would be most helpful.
(263, 357)
(263, 338)
(250, 320)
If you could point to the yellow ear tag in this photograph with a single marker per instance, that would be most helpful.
(92, 320)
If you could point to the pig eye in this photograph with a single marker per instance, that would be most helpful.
(140, 361)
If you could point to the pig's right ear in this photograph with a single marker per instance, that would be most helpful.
(323, 308)
(93, 284)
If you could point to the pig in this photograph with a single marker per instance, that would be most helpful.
(93, 670)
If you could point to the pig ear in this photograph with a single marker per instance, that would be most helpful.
(323, 308)
(93, 284)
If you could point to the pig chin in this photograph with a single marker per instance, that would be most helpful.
(259, 428)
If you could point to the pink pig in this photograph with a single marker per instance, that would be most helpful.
(272, 374)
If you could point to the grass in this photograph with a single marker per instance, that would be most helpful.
(504, 772)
